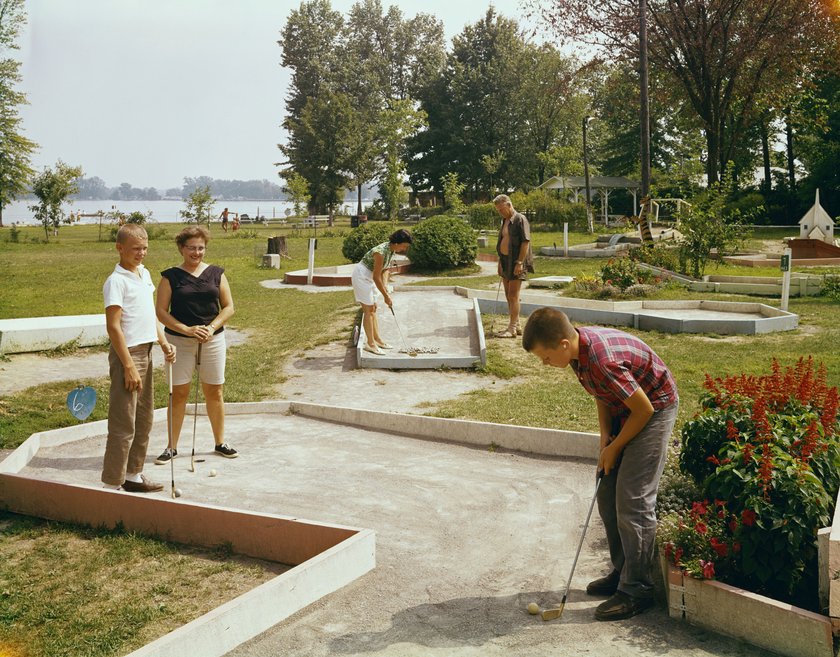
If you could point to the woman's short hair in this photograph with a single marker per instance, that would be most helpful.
(401, 236)
(545, 328)
(189, 232)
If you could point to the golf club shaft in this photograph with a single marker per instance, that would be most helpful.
(496, 307)
(582, 536)
(195, 403)
(402, 337)
(169, 422)
(551, 614)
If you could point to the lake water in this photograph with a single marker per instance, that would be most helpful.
(163, 211)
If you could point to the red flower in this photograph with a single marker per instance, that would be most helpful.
(722, 549)
(669, 549)
(713, 459)
(677, 556)
(700, 528)
(698, 508)
(733, 525)
(748, 517)
(708, 568)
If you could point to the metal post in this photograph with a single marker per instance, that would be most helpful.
(785, 266)
(589, 222)
(566, 240)
(311, 272)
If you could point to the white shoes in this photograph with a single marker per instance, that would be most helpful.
(385, 345)
(374, 350)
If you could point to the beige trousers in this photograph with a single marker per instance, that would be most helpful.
(130, 417)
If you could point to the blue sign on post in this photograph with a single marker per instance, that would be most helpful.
(81, 402)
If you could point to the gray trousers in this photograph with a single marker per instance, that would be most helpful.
(130, 417)
(627, 503)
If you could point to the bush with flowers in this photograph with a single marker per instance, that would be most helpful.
(765, 452)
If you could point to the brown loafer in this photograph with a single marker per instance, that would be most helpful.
(145, 486)
(606, 585)
(621, 606)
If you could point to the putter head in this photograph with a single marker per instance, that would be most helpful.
(552, 614)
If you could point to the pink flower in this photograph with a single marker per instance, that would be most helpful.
(708, 569)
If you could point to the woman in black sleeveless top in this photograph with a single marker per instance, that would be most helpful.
(193, 303)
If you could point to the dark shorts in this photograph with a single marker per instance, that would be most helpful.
(508, 263)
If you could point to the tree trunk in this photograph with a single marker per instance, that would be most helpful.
(359, 202)
(790, 158)
(712, 156)
(644, 101)
(765, 154)
(1, 214)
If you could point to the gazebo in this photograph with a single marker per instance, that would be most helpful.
(603, 185)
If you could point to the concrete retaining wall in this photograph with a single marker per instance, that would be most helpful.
(776, 626)
(643, 315)
(42, 333)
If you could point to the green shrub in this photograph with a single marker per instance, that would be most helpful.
(546, 208)
(766, 450)
(443, 243)
(830, 287)
(624, 273)
(363, 238)
(657, 255)
(483, 216)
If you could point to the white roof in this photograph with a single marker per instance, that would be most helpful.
(817, 216)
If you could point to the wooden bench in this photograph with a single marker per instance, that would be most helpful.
(317, 220)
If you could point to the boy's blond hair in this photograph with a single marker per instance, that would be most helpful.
(128, 231)
(545, 328)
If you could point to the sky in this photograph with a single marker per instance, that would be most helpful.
(151, 91)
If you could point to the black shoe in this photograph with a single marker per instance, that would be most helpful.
(606, 585)
(168, 454)
(144, 486)
(227, 451)
(621, 606)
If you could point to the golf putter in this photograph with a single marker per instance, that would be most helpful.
(409, 351)
(169, 418)
(496, 308)
(195, 403)
(557, 612)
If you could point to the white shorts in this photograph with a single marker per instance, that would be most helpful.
(364, 288)
(213, 358)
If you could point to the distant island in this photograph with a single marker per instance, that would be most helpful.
(95, 189)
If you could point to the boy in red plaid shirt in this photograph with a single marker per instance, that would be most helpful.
(637, 403)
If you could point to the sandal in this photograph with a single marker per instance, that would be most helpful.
(507, 333)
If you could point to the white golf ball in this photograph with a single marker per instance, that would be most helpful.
(533, 608)
(177, 492)
(213, 473)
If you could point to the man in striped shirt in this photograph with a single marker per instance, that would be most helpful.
(637, 403)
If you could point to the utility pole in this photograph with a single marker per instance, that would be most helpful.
(589, 221)
(644, 104)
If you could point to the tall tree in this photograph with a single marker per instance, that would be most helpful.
(475, 110)
(52, 187)
(15, 149)
(721, 52)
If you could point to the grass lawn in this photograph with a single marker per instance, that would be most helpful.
(69, 590)
(66, 276)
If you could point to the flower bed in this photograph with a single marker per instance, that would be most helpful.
(765, 454)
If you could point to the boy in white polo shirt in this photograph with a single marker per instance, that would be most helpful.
(132, 327)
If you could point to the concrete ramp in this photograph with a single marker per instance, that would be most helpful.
(432, 319)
